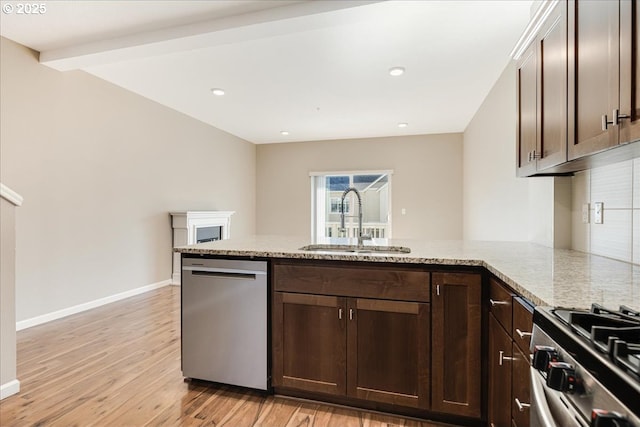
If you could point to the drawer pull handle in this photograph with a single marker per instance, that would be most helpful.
(494, 303)
(521, 334)
(340, 313)
(502, 358)
(522, 406)
(617, 116)
(351, 314)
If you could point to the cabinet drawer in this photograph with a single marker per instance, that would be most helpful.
(522, 324)
(520, 388)
(500, 303)
(362, 281)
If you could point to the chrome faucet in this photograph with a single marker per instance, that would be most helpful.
(361, 237)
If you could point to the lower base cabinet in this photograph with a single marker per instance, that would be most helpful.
(309, 347)
(499, 355)
(375, 350)
(510, 326)
(456, 377)
(388, 352)
(381, 336)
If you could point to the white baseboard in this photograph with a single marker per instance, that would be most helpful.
(38, 320)
(175, 279)
(9, 389)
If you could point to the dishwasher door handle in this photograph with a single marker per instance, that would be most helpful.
(224, 275)
(227, 273)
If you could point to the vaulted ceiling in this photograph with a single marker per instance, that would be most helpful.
(315, 69)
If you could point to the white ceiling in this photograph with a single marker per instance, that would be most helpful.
(318, 69)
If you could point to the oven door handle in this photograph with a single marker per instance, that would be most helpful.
(540, 407)
(542, 412)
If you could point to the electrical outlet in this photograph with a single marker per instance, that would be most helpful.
(585, 213)
(598, 214)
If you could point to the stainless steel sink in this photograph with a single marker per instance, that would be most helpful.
(357, 249)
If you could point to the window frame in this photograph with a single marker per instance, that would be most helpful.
(318, 216)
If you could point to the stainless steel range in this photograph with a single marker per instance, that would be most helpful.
(586, 367)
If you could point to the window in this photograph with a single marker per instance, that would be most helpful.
(335, 205)
(327, 189)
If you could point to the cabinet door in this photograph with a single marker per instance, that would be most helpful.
(309, 342)
(456, 334)
(552, 89)
(388, 352)
(629, 71)
(499, 375)
(593, 74)
(520, 388)
(527, 112)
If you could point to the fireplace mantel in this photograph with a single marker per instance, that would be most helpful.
(185, 231)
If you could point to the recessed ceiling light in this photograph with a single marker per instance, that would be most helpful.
(217, 91)
(284, 132)
(396, 71)
(403, 125)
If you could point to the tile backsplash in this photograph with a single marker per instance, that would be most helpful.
(617, 186)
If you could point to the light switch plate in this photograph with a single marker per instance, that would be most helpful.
(585, 213)
(598, 213)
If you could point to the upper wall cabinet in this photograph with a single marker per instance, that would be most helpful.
(542, 96)
(585, 55)
(629, 71)
(601, 75)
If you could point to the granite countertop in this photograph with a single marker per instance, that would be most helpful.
(551, 277)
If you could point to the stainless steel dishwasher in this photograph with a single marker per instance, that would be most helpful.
(224, 321)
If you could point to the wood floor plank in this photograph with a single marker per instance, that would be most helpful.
(119, 365)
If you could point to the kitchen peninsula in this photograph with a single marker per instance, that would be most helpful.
(409, 332)
(545, 276)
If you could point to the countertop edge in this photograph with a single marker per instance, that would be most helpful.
(381, 258)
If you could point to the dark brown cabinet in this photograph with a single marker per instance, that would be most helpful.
(388, 352)
(578, 91)
(456, 386)
(594, 75)
(520, 387)
(346, 345)
(510, 325)
(499, 375)
(310, 346)
(629, 71)
(527, 132)
(542, 97)
(551, 44)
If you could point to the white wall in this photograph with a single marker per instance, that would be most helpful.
(427, 182)
(100, 168)
(618, 187)
(497, 204)
(495, 201)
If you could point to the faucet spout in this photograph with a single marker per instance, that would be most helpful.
(342, 216)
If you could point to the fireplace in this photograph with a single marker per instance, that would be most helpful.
(191, 227)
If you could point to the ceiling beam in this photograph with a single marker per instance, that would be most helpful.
(233, 29)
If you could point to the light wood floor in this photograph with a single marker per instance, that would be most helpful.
(119, 365)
